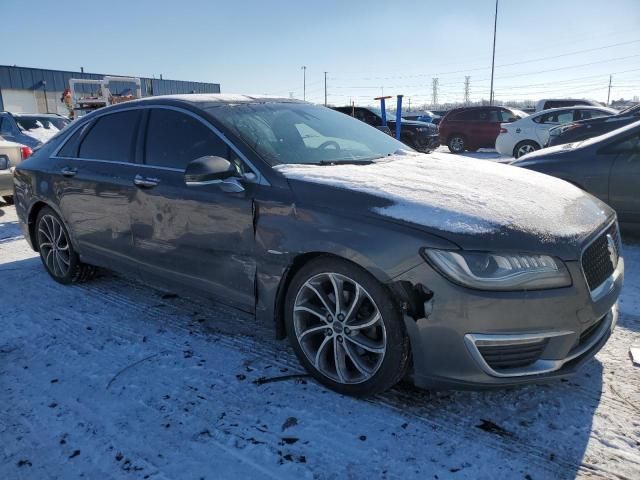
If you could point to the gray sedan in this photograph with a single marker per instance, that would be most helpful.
(607, 166)
(377, 262)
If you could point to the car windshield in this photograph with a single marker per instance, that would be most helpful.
(634, 110)
(304, 133)
(35, 122)
(520, 113)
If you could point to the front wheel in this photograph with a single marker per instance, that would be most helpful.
(525, 147)
(56, 251)
(345, 328)
(456, 144)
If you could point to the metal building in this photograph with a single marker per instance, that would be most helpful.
(39, 90)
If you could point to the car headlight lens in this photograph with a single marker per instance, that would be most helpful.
(500, 271)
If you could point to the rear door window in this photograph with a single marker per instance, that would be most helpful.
(174, 139)
(70, 148)
(112, 137)
(467, 116)
(559, 117)
(587, 114)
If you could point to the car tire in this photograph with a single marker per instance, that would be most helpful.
(524, 147)
(8, 199)
(358, 347)
(456, 144)
(57, 253)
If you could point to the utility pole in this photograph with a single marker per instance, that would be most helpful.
(493, 57)
(467, 80)
(304, 82)
(434, 94)
(609, 94)
(325, 89)
(409, 107)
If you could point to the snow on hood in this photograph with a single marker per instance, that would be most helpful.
(40, 133)
(467, 196)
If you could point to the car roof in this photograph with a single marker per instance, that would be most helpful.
(573, 107)
(215, 98)
(33, 114)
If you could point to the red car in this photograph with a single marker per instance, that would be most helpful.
(471, 128)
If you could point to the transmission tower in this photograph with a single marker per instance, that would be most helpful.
(467, 79)
(434, 95)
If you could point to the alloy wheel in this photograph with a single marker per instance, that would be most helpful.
(457, 144)
(524, 149)
(339, 328)
(54, 246)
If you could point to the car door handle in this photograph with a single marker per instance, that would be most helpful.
(145, 182)
(69, 172)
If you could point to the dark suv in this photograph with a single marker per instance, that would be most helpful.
(592, 127)
(471, 128)
(421, 136)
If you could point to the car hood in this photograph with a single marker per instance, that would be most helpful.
(546, 152)
(476, 204)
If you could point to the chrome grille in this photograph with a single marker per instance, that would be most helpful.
(597, 257)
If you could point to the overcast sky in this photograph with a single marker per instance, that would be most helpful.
(368, 47)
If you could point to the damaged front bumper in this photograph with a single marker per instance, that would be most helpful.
(466, 338)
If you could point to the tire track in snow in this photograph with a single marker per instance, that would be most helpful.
(217, 315)
(400, 402)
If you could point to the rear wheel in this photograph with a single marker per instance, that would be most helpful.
(525, 147)
(56, 251)
(345, 328)
(456, 144)
(8, 199)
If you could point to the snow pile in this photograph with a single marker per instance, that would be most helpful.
(461, 195)
(41, 133)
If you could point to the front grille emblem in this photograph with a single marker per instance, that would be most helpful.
(613, 251)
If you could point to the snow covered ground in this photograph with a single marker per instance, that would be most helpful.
(111, 379)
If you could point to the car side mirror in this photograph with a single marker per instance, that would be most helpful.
(210, 170)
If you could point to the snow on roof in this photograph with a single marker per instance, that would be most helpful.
(461, 195)
(41, 133)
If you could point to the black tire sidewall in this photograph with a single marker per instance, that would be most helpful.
(396, 358)
(74, 261)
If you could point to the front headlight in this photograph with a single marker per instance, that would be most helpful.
(499, 271)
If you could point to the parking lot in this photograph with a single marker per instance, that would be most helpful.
(111, 379)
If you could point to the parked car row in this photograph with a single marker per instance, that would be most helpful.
(419, 135)
(471, 128)
(531, 133)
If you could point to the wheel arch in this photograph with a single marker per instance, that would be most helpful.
(31, 222)
(409, 298)
(32, 216)
(290, 271)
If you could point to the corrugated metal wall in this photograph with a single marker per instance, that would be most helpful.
(24, 78)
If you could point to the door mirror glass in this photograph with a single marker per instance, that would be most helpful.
(209, 169)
